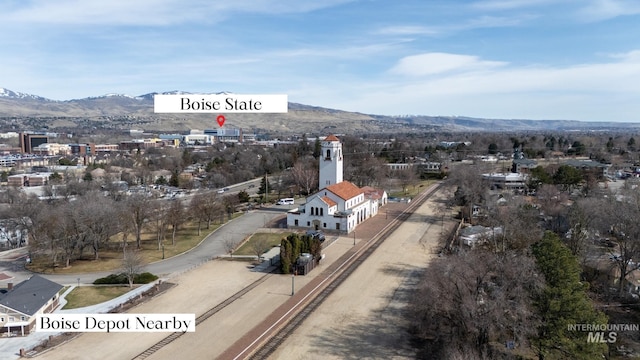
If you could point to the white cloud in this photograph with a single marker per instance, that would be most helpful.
(437, 63)
(481, 22)
(598, 10)
(148, 12)
(407, 30)
(508, 4)
(605, 91)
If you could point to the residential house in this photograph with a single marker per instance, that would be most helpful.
(22, 303)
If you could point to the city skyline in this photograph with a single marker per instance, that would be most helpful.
(533, 59)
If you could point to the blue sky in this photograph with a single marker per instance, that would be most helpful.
(525, 59)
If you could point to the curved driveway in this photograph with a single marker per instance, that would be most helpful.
(211, 247)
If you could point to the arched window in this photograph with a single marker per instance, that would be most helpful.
(328, 157)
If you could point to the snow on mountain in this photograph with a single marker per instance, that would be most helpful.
(6, 93)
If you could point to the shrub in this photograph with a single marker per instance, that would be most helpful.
(144, 278)
(113, 279)
(121, 279)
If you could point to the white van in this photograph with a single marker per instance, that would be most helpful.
(285, 201)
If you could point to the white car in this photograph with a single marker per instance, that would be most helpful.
(285, 201)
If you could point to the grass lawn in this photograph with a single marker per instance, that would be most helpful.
(91, 295)
(412, 191)
(111, 260)
(273, 239)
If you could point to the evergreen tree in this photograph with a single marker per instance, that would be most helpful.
(285, 256)
(265, 186)
(563, 302)
(243, 196)
(567, 177)
(493, 149)
(317, 148)
(55, 178)
(631, 144)
(174, 180)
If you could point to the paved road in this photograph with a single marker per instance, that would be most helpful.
(211, 247)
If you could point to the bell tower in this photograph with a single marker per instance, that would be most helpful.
(330, 162)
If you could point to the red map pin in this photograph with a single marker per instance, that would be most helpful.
(220, 119)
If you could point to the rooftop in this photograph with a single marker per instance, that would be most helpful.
(345, 190)
(30, 295)
(328, 201)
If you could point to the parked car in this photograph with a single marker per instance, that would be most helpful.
(316, 234)
(285, 201)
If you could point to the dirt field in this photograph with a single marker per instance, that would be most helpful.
(196, 292)
(363, 317)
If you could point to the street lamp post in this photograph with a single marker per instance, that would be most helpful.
(354, 238)
(78, 282)
(293, 282)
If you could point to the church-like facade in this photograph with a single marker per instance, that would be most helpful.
(338, 205)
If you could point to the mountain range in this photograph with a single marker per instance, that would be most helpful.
(119, 111)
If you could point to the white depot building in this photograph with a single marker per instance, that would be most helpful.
(338, 205)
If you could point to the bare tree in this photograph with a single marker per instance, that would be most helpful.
(259, 245)
(618, 217)
(160, 218)
(139, 210)
(229, 246)
(305, 174)
(205, 207)
(470, 189)
(176, 216)
(97, 217)
(464, 300)
(552, 203)
(132, 264)
(581, 220)
(406, 177)
(195, 209)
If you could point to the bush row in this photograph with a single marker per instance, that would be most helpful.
(121, 279)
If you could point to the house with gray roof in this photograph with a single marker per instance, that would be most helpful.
(22, 303)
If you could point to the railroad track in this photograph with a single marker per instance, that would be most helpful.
(207, 314)
(295, 319)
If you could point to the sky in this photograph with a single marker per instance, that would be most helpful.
(506, 59)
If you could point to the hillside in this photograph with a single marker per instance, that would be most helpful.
(117, 111)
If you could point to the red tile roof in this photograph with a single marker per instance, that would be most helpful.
(331, 138)
(373, 192)
(345, 190)
(329, 201)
